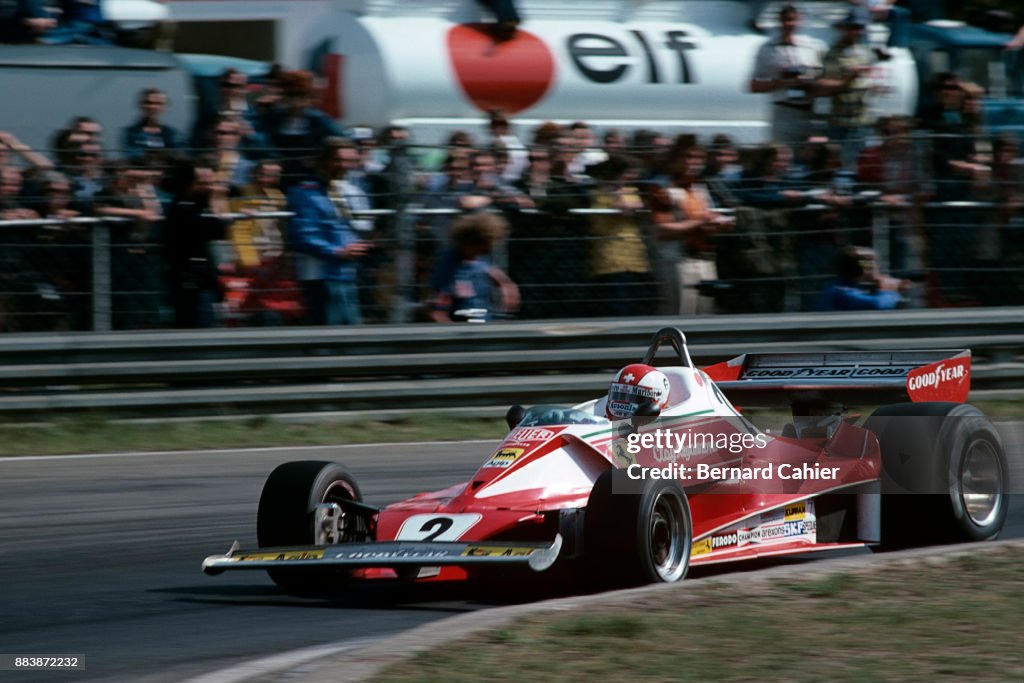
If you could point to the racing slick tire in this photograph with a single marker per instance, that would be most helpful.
(945, 476)
(285, 518)
(640, 533)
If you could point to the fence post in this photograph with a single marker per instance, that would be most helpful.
(880, 239)
(101, 295)
(405, 233)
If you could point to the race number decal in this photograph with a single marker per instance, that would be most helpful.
(433, 527)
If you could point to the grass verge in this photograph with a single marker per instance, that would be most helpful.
(97, 435)
(954, 619)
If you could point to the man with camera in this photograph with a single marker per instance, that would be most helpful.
(788, 68)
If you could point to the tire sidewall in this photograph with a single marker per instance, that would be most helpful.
(648, 501)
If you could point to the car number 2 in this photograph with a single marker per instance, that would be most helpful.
(435, 527)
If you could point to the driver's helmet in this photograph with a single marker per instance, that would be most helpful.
(633, 386)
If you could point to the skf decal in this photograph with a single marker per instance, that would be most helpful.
(504, 457)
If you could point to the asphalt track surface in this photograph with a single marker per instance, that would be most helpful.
(101, 559)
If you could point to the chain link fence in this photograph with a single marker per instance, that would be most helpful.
(570, 251)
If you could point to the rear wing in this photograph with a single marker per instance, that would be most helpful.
(845, 377)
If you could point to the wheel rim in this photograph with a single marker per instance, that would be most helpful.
(981, 483)
(667, 535)
(338, 492)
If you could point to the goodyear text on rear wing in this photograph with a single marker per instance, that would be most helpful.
(862, 377)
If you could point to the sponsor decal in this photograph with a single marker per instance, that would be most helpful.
(282, 556)
(827, 373)
(947, 380)
(392, 555)
(528, 434)
(701, 547)
(795, 511)
(724, 541)
(491, 551)
(504, 457)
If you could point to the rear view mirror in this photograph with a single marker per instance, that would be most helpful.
(514, 416)
(646, 413)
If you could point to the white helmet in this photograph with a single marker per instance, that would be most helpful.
(633, 386)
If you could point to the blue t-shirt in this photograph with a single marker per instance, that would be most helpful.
(468, 283)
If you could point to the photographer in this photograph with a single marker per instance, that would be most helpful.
(788, 68)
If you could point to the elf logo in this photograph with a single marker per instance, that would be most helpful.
(515, 74)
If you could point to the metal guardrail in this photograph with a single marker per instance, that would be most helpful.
(263, 371)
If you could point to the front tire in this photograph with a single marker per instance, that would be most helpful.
(639, 533)
(945, 474)
(285, 518)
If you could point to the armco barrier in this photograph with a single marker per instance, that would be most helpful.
(432, 366)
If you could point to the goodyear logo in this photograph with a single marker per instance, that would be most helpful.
(282, 556)
(504, 457)
(795, 512)
(491, 551)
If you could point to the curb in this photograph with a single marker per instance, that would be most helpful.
(365, 660)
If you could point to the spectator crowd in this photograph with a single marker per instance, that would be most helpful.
(558, 221)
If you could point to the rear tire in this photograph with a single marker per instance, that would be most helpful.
(945, 474)
(639, 534)
(285, 518)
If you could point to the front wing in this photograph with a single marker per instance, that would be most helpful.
(537, 557)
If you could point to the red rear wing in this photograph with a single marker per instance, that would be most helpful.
(846, 377)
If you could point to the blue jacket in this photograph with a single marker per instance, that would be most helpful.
(847, 296)
(316, 232)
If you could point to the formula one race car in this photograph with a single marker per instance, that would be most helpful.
(663, 473)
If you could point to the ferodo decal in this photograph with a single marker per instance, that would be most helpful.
(485, 551)
(504, 457)
(729, 540)
(435, 527)
(946, 380)
(283, 556)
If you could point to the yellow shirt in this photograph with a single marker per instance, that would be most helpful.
(618, 245)
(255, 239)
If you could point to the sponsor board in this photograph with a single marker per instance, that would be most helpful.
(504, 457)
(282, 556)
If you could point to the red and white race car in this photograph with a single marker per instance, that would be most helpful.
(685, 479)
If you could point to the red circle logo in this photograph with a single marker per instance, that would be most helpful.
(510, 74)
